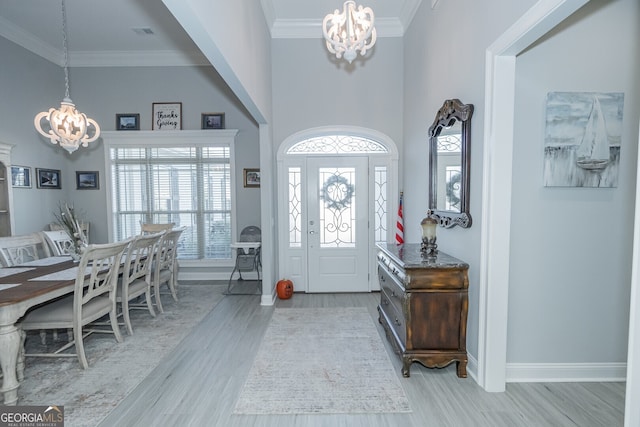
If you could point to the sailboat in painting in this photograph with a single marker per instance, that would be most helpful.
(593, 153)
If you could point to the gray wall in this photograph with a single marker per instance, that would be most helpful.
(27, 88)
(445, 58)
(36, 85)
(569, 289)
(310, 89)
(571, 247)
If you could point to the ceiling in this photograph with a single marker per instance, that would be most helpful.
(116, 32)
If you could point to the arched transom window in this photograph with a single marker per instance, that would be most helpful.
(337, 144)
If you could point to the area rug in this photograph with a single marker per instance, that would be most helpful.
(322, 361)
(115, 369)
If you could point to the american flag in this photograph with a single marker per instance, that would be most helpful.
(400, 224)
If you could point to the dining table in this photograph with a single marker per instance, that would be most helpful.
(22, 287)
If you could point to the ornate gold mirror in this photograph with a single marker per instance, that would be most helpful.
(449, 164)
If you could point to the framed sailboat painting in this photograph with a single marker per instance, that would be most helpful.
(582, 139)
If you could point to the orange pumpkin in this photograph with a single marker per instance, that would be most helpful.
(284, 288)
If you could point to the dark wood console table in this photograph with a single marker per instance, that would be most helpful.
(423, 306)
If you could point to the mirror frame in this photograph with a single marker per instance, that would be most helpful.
(451, 110)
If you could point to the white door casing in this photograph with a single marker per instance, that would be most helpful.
(378, 167)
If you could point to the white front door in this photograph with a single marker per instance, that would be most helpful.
(337, 224)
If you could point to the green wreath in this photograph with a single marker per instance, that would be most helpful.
(453, 190)
(337, 192)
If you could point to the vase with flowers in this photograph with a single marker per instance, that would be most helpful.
(68, 220)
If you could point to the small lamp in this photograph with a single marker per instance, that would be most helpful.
(429, 246)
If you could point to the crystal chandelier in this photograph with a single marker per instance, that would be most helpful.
(67, 126)
(348, 32)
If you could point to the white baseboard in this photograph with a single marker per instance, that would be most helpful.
(566, 372)
(185, 274)
(472, 367)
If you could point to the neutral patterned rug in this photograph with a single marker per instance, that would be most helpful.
(320, 361)
(115, 369)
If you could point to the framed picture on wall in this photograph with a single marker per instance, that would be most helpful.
(212, 120)
(48, 178)
(166, 116)
(87, 180)
(252, 178)
(21, 176)
(128, 121)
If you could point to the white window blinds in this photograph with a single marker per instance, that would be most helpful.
(189, 186)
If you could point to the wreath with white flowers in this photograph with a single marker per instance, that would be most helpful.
(337, 192)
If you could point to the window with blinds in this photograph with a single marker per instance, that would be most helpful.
(189, 186)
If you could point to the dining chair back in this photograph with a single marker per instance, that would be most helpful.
(16, 250)
(84, 226)
(136, 277)
(147, 227)
(166, 267)
(94, 296)
(59, 241)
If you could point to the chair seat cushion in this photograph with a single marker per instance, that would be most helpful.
(137, 287)
(59, 314)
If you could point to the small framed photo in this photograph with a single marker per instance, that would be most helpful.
(128, 121)
(212, 120)
(87, 180)
(48, 178)
(252, 178)
(21, 176)
(166, 116)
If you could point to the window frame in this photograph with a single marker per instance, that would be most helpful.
(154, 139)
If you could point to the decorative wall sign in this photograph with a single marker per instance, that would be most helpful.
(582, 139)
(166, 116)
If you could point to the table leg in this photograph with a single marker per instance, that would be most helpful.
(9, 347)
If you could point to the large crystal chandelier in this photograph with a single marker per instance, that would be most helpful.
(348, 32)
(67, 126)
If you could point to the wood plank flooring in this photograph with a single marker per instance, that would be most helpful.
(198, 384)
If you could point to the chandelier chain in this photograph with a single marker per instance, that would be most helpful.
(65, 50)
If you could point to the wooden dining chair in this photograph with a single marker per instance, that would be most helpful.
(16, 250)
(166, 267)
(147, 227)
(94, 296)
(59, 241)
(54, 226)
(136, 277)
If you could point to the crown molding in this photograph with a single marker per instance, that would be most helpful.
(312, 28)
(28, 41)
(166, 58)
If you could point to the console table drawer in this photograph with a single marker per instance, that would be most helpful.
(393, 290)
(395, 319)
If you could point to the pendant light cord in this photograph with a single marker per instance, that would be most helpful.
(65, 50)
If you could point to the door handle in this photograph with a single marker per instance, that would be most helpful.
(312, 232)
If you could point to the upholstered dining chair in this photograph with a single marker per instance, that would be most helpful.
(136, 277)
(147, 227)
(16, 250)
(59, 241)
(166, 267)
(94, 296)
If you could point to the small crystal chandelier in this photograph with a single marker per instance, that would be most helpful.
(348, 32)
(67, 126)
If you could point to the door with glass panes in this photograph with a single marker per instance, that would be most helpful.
(337, 224)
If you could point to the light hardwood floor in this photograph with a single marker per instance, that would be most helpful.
(198, 384)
